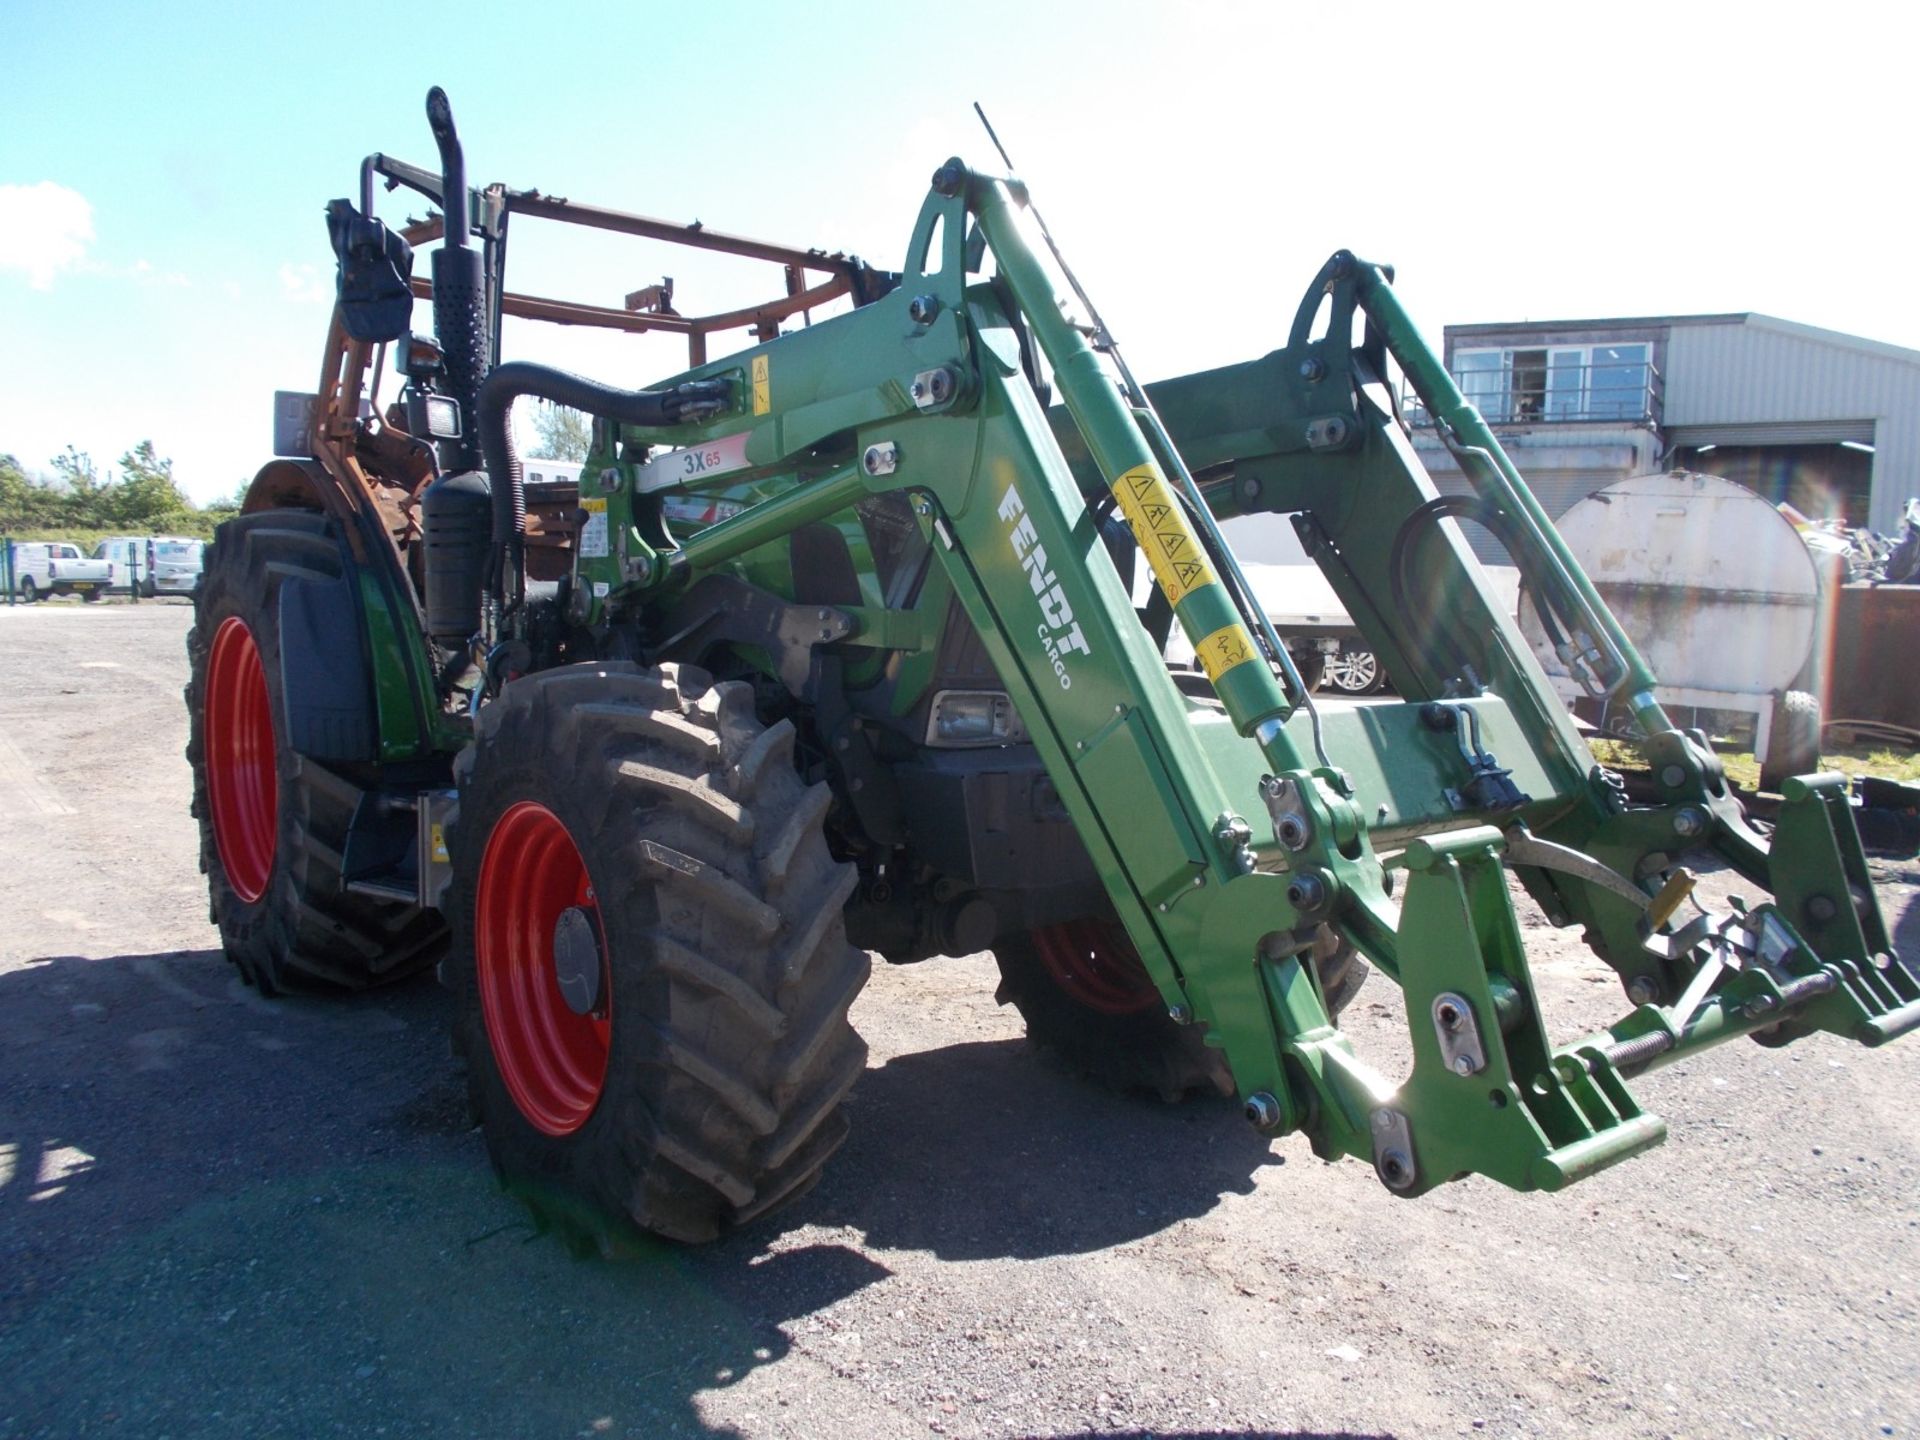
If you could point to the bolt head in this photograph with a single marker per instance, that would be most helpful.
(1307, 890)
(1673, 777)
(1312, 368)
(1463, 1065)
(1263, 1111)
(1180, 1015)
(1643, 990)
(1688, 823)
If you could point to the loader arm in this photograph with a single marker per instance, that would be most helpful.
(1225, 829)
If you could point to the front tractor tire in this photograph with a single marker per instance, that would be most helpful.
(649, 963)
(273, 823)
(1086, 996)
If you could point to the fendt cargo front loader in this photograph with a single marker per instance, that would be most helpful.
(836, 646)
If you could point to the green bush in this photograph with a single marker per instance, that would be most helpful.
(83, 506)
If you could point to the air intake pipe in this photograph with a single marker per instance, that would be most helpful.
(493, 412)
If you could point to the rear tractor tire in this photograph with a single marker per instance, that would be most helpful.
(273, 823)
(649, 963)
(1086, 996)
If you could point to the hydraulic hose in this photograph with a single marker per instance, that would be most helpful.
(509, 382)
(1550, 606)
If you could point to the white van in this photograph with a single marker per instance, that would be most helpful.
(166, 564)
(173, 564)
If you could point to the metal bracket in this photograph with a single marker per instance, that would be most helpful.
(933, 387)
(1393, 1158)
(1459, 1034)
(1292, 820)
(1329, 432)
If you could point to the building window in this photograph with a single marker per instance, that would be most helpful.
(1617, 382)
(1561, 382)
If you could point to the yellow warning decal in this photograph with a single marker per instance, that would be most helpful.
(1160, 529)
(1225, 648)
(762, 386)
(439, 843)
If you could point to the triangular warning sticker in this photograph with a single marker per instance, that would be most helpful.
(1172, 542)
(1140, 481)
(1156, 515)
(1189, 572)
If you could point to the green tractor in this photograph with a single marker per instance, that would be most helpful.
(853, 641)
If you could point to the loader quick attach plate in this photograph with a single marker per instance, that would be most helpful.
(1487, 1092)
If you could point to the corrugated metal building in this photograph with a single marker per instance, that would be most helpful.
(1830, 422)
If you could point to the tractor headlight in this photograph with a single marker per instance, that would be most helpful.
(973, 717)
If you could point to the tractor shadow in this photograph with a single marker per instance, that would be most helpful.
(218, 1212)
(993, 1149)
(221, 1215)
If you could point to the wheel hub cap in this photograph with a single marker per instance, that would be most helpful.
(576, 960)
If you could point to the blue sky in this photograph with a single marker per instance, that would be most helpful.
(163, 169)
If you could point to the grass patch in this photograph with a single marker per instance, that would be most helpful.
(1742, 769)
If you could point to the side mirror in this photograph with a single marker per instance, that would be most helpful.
(376, 268)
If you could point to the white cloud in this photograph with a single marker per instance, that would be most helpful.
(305, 284)
(44, 229)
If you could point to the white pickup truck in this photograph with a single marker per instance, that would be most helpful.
(53, 567)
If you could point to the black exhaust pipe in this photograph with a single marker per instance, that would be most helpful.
(456, 510)
(459, 283)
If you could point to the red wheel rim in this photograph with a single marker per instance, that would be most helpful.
(243, 789)
(553, 1060)
(1095, 964)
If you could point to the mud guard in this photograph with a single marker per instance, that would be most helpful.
(324, 671)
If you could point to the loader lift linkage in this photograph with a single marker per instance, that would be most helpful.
(1229, 825)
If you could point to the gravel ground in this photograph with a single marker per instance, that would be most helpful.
(226, 1216)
